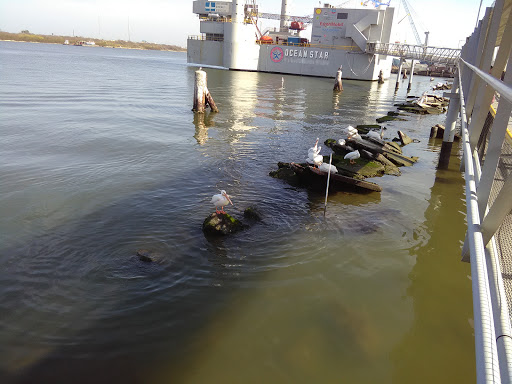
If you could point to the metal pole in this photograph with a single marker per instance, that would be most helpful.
(399, 74)
(410, 76)
(328, 179)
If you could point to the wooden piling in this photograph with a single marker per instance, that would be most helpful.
(202, 96)
(338, 86)
(381, 79)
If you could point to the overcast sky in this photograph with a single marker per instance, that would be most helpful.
(171, 21)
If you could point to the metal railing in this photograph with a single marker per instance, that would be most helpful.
(205, 38)
(309, 45)
(488, 200)
(448, 56)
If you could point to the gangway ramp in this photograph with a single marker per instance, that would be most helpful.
(449, 56)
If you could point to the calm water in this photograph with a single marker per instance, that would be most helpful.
(102, 156)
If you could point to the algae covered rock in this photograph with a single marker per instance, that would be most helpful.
(252, 214)
(221, 224)
(149, 256)
(383, 119)
(286, 173)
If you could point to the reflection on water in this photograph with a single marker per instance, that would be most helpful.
(297, 297)
(203, 121)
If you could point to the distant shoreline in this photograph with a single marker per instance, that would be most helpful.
(53, 39)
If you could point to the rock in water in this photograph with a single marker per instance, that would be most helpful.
(221, 224)
(145, 255)
(252, 214)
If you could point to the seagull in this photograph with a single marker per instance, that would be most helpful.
(376, 135)
(313, 151)
(351, 133)
(314, 156)
(352, 156)
(328, 168)
(220, 200)
(316, 160)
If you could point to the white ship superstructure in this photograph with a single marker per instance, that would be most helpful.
(230, 38)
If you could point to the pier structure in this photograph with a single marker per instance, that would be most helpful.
(448, 56)
(482, 98)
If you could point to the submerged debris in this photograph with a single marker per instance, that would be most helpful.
(437, 132)
(426, 104)
(442, 86)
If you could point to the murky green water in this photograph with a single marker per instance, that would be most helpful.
(102, 156)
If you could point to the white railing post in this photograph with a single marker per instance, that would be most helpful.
(475, 81)
(484, 94)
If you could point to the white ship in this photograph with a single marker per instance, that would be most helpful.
(230, 38)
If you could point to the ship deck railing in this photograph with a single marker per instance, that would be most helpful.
(482, 92)
(206, 38)
(354, 48)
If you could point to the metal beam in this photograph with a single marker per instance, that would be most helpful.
(499, 210)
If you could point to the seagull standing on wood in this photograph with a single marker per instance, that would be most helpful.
(220, 200)
(314, 156)
(376, 135)
(351, 133)
(352, 156)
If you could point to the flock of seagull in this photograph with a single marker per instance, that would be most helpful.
(314, 158)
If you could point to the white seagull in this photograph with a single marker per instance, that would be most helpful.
(313, 151)
(316, 160)
(376, 135)
(328, 168)
(351, 133)
(352, 156)
(220, 200)
(314, 156)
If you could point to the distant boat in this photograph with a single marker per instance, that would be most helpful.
(66, 42)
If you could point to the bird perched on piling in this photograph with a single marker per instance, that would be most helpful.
(352, 156)
(315, 150)
(328, 168)
(314, 156)
(220, 200)
(376, 135)
(316, 160)
(351, 133)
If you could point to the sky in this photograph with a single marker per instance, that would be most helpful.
(171, 21)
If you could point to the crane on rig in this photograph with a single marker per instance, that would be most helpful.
(411, 22)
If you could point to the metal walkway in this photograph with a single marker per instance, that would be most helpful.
(481, 79)
(447, 56)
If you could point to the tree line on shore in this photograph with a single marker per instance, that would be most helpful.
(54, 39)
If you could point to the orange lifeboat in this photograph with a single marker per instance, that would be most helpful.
(266, 39)
(297, 25)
